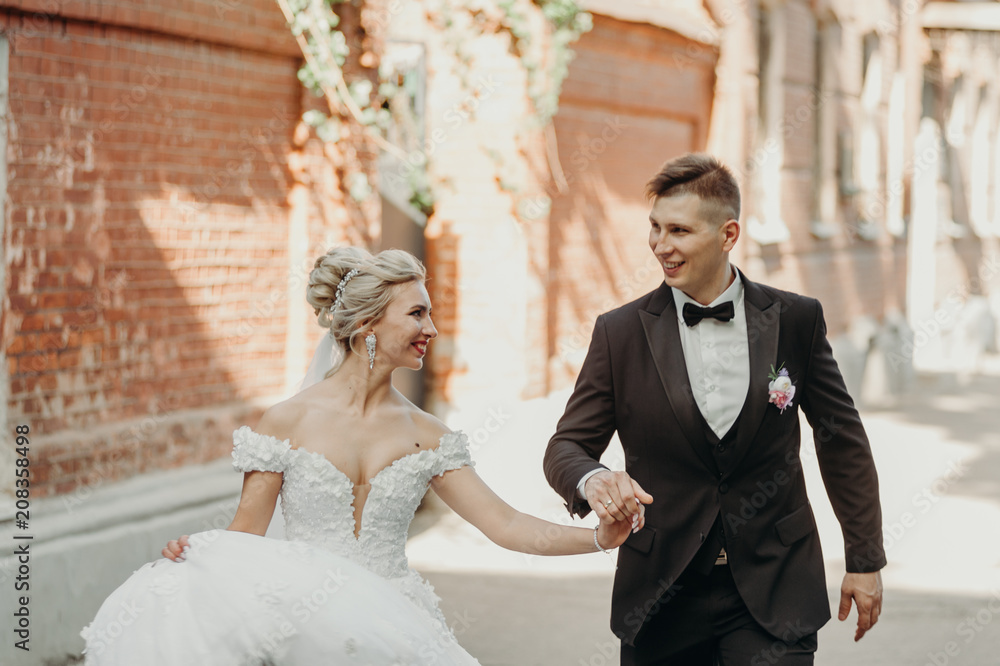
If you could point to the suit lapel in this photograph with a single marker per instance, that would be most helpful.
(659, 321)
(763, 316)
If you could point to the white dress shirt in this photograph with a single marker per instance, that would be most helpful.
(718, 362)
(718, 359)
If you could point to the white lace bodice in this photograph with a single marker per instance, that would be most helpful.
(317, 498)
(322, 596)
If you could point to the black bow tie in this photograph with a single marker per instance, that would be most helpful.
(694, 314)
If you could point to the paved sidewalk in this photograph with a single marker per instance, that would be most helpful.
(938, 455)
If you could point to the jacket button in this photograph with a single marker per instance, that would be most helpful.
(723, 487)
(721, 447)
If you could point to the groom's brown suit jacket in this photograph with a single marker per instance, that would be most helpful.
(635, 381)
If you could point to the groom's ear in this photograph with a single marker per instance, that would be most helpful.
(730, 234)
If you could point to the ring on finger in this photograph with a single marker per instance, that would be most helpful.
(608, 503)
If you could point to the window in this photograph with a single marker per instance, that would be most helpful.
(765, 225)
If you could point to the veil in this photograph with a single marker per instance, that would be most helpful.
(327, 355)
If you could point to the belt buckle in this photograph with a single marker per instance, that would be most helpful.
(721, 558)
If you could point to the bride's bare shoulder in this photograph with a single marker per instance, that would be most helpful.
(279, 420)
(430, 429)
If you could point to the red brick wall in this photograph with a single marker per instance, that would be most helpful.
(636, 96)
(147, 238)
(254, 25)
(443, 289)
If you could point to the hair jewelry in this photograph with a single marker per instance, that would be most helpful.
(338, 299)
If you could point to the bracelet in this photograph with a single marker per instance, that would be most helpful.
(598, 543)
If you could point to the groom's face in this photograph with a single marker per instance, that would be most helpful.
(692, 248)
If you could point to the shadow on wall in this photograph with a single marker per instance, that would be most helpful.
(614, 131)
(148, 247)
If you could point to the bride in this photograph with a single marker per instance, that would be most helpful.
(351, 459)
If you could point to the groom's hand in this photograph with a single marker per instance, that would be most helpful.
(866, 591)
(615, 496)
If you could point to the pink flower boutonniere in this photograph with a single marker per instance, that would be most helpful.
(781, 390)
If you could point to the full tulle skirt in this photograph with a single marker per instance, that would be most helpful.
(241, 599)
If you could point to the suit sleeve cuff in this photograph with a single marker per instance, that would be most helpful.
(583, 482)
(866, 561)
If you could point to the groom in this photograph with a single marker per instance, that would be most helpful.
(703, 380)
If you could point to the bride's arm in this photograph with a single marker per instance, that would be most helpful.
(260, 489)
(469, 496)
(257, 502)
(253, 515)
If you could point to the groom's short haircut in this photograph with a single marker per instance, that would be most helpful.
(702, 175)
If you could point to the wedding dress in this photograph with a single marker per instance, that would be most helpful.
(321, 596)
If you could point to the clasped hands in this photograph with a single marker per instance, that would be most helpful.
(618, 501)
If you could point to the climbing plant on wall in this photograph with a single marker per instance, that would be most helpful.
(315, 25)
(547, 72)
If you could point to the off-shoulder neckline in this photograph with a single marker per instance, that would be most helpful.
(453, 435)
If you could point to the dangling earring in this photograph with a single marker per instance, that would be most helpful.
(370, 343)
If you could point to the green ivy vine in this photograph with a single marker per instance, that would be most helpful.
(315, 26)
(568, 22)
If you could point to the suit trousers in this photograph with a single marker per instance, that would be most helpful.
(707, 624)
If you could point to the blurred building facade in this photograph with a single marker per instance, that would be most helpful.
(163, 202)
(819, 108)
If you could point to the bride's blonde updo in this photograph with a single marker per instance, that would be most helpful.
(365, 297)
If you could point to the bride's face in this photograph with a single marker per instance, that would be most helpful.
(406, 328)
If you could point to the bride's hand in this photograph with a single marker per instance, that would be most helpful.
(613, 533)
(175, 549)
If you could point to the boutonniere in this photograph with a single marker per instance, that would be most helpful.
(781, 390)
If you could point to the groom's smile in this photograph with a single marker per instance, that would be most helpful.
(691, 248)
